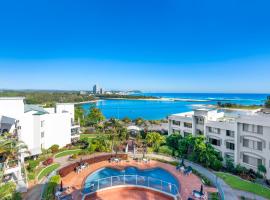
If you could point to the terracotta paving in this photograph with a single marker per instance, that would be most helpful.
(187, 183)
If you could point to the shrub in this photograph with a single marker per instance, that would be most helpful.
(54, 148)
(267, 182)
(230, 166)
(8, 192)
(165, 150)
(216, 165)
(48, 161)
(50, 188)
(32, 164)
(74, 156)
(204, 178)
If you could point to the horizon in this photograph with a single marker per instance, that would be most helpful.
(141, 91)
(155, 46)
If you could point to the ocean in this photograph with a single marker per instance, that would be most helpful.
(154, 110)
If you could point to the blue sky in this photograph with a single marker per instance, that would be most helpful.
(153, 45)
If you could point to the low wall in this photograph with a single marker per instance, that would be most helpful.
(70, 168)
(131, 192)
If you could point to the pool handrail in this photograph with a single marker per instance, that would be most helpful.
(172, 187)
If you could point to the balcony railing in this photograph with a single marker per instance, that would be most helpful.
(132, 180)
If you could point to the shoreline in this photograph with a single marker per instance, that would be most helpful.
(159, 99)
(86, 102)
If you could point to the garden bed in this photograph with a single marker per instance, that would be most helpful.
(47, 170)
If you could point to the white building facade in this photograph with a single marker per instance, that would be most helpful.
(39, 128)
(242, 136)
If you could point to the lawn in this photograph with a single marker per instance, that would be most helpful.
(89, 136)
(240, 184)
(67, 152)
(46, 171)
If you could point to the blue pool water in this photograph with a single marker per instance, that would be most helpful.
(161, 109)
(154, 174)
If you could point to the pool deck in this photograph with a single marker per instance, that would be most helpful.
(187, 183)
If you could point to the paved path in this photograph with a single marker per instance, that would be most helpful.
(248, 195)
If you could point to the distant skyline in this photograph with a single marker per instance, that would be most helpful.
(154, 46)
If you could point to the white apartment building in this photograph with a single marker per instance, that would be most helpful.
(243, 136)
(39, 128)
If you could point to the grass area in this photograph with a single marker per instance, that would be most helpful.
(67, 152)
(240, 184)
(47, 170)
(214, 196)
(90, 136)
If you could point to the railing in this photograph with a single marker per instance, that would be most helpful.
(131, 180)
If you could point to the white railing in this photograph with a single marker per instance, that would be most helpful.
(131, 180)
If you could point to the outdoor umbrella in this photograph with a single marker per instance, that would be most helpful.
(61, 186)
(201, 190)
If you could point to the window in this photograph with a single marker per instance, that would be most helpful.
(187, 125)
(42, 134)
(245, 127)
(230, 145)
(252, 160)
(42, 123)
(199, 132)
(229, 133)
(253, 128)
(257, 145)
(229, 156)
(260, 129)
(186, 134)
(176, 131)
(214, 141)
(214, 130)
(200, 121)
(177, 123)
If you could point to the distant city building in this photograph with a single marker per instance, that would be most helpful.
(101, 91)
(242, 136)
(95, 89)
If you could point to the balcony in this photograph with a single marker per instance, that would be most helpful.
(11, 166)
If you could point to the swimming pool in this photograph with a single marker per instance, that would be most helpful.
(156, 178)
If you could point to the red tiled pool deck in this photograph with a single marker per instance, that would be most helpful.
(187, 183)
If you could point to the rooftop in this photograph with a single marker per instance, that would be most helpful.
(12, 98)
(30, 107)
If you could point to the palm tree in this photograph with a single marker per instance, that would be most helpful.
(11, 147)
(114, 128)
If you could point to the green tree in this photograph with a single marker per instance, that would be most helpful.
(154, 140)
(100, 144)
(139, 121)
(198, 150)
(80, 115)
(173, 142)
(126, 120)
(262, 170)
(95, 116)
